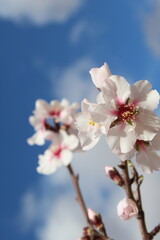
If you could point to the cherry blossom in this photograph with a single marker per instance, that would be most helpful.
(146, 154)
(89, 131)
(62, 112)
(58, 154)
(132, 108)
(38, 121)
(59, 113)
(127, 209)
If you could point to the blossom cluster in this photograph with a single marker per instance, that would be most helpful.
(54, 122)
(124, 114)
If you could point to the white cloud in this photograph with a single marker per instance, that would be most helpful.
(28, 211)
(77, 31)
(74, 82)
(82, 29)
(151, 27)
(39, 11)
(62, 221)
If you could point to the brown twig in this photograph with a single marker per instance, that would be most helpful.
(154, 231)
(126, 179)
(81, 202)
(79, 197)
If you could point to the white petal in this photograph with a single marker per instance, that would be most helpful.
(64, 103)
(109, 91)
(88, 140)
(127, 142)
(66, 157)
(69, 141)
(45, 166)
(147, 125)
(148, 161)
(152, 100)
(156, 142)
(127, 156)
(35, 121)
(100, 98)
(42, 105)
(99, 75)
(140, 90)
(86, 106)
(101, 114)
(81, 121)
(123, 88)
(38, 138)
(121, 140)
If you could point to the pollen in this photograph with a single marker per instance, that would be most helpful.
(127, 113)
(92, 123)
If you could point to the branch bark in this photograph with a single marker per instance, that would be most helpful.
(79, 198)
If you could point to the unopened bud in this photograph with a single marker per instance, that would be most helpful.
(127, 209)
(113, 174)
(94, 217)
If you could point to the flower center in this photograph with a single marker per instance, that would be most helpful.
(56, 153)
(55, 113)
(127, 113)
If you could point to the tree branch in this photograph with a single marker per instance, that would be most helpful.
(79, 196)
(81, 202)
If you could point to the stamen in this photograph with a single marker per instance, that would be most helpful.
(127, 113)
(55, 113)
(92, 123)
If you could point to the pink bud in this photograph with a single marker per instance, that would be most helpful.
(108, 169)
(127, 209)
(94, 217)
(91, 214)
(113, 174)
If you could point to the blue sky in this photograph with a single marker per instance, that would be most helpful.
(46, 52)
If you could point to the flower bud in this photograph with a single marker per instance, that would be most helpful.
(94, 217)
(127, 209)
(113, 174)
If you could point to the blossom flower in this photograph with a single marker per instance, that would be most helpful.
(146, 154)
(132, 108)
(89, 132)
(100, 75)
(127, 209)
(38, 121)
(59, 113)
(60, 153)
(62, 112)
